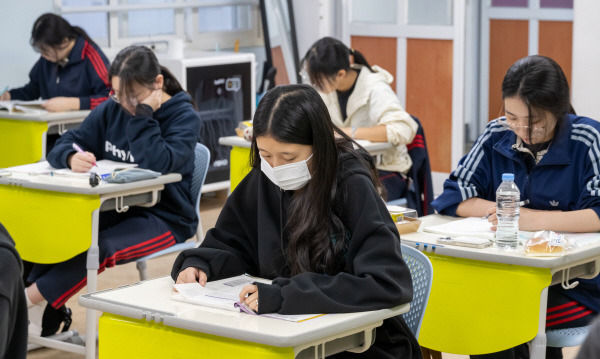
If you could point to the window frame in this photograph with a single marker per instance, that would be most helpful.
(185, 23)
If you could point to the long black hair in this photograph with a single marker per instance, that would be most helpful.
(326, 57)
(138, 64)
(50, 30)
(542, 85)
(297, 114)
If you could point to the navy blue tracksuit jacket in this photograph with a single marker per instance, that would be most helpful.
(85, 76)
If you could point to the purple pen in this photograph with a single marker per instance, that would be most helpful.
(78, 149)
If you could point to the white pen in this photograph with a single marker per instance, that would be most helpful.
(521, 204)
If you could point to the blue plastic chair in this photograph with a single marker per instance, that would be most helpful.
(201, 162)
(570, 337)
(421, 272)
(398, 202)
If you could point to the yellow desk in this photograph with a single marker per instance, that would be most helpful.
(141, 321)
(240, 156)
(55, 218)
(23, 136)
(487, 300)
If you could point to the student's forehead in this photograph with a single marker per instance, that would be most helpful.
(268, 144)
(516, 106)
(116, 84)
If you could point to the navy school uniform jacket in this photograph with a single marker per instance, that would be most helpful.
(13, 306)
(162, 141)
(566, 179)
(84, 76)
(249, 238)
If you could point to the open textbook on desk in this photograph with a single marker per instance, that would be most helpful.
(31, 107)
(103, 169)
(225, 294)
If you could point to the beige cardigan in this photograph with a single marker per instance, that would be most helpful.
(372, 103)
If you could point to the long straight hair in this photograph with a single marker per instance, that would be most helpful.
(542, 85)
(138, 64)
(326, 57)
(297, 114)
(50, 30)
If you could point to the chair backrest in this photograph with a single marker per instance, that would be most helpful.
(201, 162)
(421, 272)
(420, 192)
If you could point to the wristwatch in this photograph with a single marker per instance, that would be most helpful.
(354, 128)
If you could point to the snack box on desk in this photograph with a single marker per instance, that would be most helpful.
(405, 219)
(408, 225)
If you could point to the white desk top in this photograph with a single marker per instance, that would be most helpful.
(371, 147)
(81, 185)
(151, 300)
(426, 242)
(50, 117)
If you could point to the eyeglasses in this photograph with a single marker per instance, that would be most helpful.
(116, 99)
(511, 125)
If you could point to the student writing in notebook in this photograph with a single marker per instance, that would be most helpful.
(71, 72)
(362, 103)
(309, 216)
(554, 155)
(149, 121)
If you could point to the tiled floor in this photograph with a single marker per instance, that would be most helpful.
(210, 207)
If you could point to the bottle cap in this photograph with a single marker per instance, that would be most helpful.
(508, 177)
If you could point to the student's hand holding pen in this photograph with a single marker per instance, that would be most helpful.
(490, 215)
(81, 162)
(5, 95)
(249, 295)
(192, 275)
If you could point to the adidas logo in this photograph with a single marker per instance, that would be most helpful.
(554, 203)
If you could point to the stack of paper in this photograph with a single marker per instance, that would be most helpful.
(470, 226)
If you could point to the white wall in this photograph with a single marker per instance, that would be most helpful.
(314, 19)
(16, 55)
(586, 58)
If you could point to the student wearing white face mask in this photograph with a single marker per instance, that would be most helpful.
(309, 217)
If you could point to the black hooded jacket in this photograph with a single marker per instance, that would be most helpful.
(248, 238)
(13, 307)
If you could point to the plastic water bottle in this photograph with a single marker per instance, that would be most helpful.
(507, 210)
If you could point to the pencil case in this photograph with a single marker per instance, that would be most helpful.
(131, 175)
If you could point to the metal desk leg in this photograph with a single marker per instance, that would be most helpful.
(538, 345)
(92, 284)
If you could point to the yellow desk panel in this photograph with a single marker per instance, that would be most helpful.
(126, 338)
(478, 307)
(47, 226)
(20, 141)
(239, 165)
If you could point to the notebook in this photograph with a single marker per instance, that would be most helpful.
(224, 294)
(31, 107)
(104, 169)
